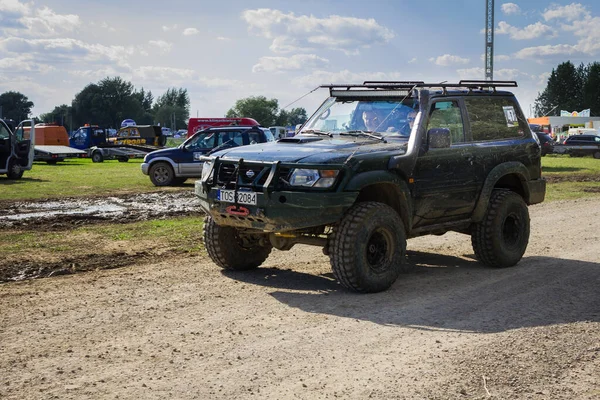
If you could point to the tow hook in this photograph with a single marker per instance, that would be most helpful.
(237, 210)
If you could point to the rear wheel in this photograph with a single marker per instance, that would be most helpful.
(161, 174)
(97, 157)
(123, 159)
(368, 248)
(501, 238)
(231, 249)
(14, 170)
(597, 155)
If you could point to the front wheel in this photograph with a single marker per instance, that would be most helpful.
(597, 155)
(501, 238)
(161, 174)
(14, 170)
(368, 248)
(97, 157)
(231, 249)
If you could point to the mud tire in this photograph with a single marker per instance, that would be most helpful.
(97, 157)
(367, 251)
(226, 248)
(501, 238)
(15, 171)
(162, 174)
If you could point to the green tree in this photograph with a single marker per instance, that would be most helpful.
(109, 102)
(258, 107)
(564, 90)
(15, 106)
(591, 89)
(61, 115)
(172, 109)
(296, 116)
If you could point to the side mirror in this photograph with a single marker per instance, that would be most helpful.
(438, 138)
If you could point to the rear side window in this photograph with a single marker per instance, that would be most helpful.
(446, 114)
(494, 118)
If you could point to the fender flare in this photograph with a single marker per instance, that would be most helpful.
(507, 168)
(404, 205)
(174, 165)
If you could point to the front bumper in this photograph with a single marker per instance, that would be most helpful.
(278, 211)
(145, 168)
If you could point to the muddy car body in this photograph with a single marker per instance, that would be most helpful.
(376, 164)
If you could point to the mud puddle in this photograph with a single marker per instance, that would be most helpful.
(60, 213)
(23, 270)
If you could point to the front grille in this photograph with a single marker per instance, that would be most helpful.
(257, 178)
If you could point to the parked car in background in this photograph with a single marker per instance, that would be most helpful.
(581, 145)
(546, 142)
(173, 166)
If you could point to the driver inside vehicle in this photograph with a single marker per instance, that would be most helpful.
(371, 120)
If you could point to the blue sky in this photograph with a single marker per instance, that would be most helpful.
(225, 50)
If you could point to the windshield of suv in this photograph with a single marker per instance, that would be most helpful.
(385, 118)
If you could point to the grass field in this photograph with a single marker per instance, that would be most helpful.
(78, 177)
(577, 177)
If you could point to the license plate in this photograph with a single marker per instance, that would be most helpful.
(228, 196)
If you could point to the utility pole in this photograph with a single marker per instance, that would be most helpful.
(489, 40)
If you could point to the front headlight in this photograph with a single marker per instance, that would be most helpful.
(313, 177)
(206, 169)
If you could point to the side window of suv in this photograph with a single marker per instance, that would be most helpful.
(494, 118)
(446, 114)
(233, 138)
(3, 132)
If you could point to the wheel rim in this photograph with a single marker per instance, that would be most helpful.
(161, 174)
(379, 250)
(512, 230)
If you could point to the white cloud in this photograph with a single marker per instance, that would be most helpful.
(571, 12)
(167, 28)
(345, 76)
(24, 62)
(502, 74)
(412, 60)
(289, 32)
(72, 50)
(163, 46)
(220, 83)
(293, 63)
(448, 59)
(162, 74)
(23, 19)
(190, 31)
(546, 51)
(226, 39)
(529, 32)
(510, 8)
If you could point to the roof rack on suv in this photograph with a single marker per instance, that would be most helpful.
(395, 85)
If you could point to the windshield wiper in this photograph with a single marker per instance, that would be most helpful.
(318, 132)
(368, 134)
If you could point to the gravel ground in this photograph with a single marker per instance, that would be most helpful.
(178, 328)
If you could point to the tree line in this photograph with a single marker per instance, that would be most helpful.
(113, 100)
(571, 89)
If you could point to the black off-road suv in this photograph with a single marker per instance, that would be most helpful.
(378, 163)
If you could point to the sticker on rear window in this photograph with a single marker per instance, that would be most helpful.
(511, 116)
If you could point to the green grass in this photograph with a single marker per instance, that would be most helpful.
(557, 164)
(77, 177)
(82, 177)
(181, 234)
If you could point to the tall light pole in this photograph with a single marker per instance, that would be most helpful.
(489, 40)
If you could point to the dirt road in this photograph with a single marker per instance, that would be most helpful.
(181, 329)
